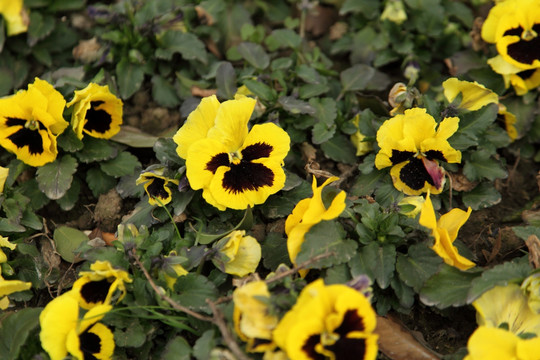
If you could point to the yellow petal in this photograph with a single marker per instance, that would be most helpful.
(197, 125)
(491, 343)
(474, 95)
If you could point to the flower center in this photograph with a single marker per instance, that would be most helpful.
(528, 35)
(31, 125)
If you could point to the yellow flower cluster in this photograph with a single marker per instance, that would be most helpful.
(32, 119)
(8, 287)
(514, 27)
(70, 322)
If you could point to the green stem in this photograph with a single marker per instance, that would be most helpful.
(170, 217)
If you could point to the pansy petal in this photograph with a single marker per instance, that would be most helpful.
(205, 157)
(448, 252)
(421, 126)
(231, 122)
(268, 141)
(491, 343)
(474, 95)
(453, 221)
(197, 125)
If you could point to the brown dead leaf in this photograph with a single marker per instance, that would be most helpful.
(213, 48)
(197, 91)
(476, 35)
(49, 253)
(204, 15)
(533, 243)
(319, 19)
(338, 30)
(309, 153)
(87, 51)
(397, 342)
(452, 69)
(460, 182)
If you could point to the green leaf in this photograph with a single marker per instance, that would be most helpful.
(325, 110)
(123, 164)
(418, 265)
(69, 141)
(356, 77)
(482, 196)
(340, 149)
(263, 91)
(14, 330)
(186, 44)
(226, 80)
(283, 38)
(40, 27)
(98, 181)
(274, 251)
(309, 91)
(134, 137)
(204, 344)
(133, 336)
(295, 106)
(325, 238)
(449, 287)
(67, 240)
(244, 224)
(129, 77)
(474, 123)
(523, 232)
(66, 5)
(254, 54)
(163, 92)
(177, 349)
(54, 179)
(482, 165)
(377, 262)
(370, 8)
(366, 184)
(500, 275)
(192, 290)
(68, 201)
(321, 133)
(96, 150)
(165, 149)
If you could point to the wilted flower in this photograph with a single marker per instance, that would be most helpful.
(474, 96)
(253, 320)
(100, 285)
(97, 112)
(445, 232)
(531, 287)
(358, 139)
(30, 121)
(496, 343)
(309, 212)
(8, 287)
(394, 11)
(411, 205)
(507, 307)
(234, 167)
(241, 252)
(411, 145)
(62, 331)
(15, 16)
(328, 322)
(156, 185)
(173, 270)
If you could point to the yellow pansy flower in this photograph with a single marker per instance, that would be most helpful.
(100, 285)
(62, 331)
(97, 112)
(445, 232)
(30, 121)
(328, 322)
(253, 321)
(412, 144)
(309, 212)
(156, 185)
(242, 253)
(235, 167)
(500, 344)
